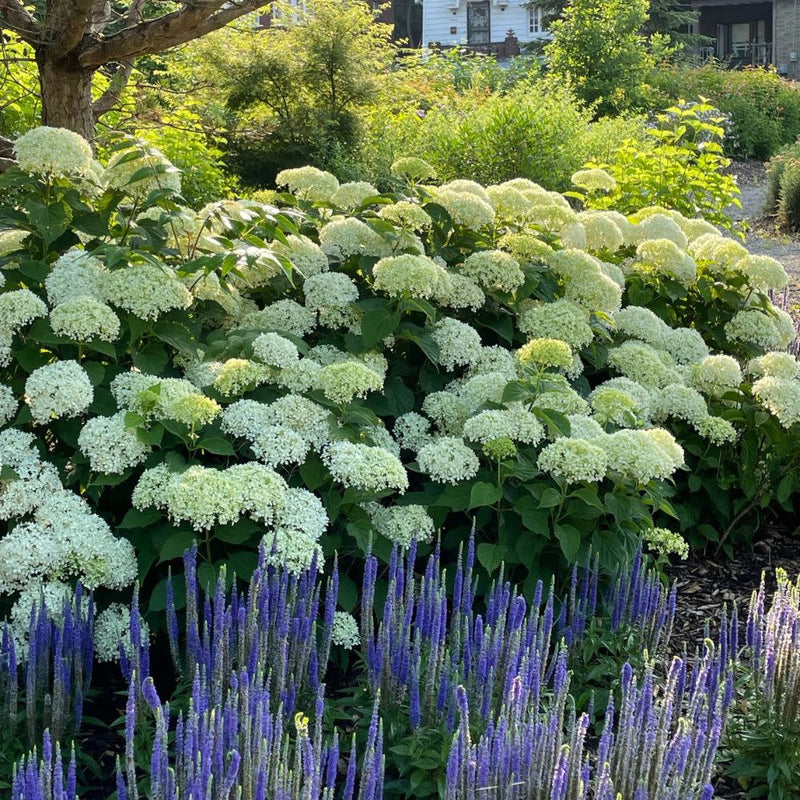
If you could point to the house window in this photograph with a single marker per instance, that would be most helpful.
(534, 20)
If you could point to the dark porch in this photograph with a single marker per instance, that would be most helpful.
(742, 32)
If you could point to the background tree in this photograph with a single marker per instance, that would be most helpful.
(73, 39)
(598, 46)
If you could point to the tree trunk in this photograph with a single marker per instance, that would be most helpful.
(66, 94)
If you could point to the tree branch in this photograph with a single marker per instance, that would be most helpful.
(194, 20)
(18, 19)
(65, 25)
(116, 86)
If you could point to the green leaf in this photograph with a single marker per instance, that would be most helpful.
(176, 545)
(550, 498)
(491, 556)
(484, 494)
(557, 423)
(35, 270)
(348, 593)
(238, 533)
(313, 472)
(95, 371)
(589, 497)
(217, 445)
(140, 519)
(242, 563)
(50, 221)
(570, 540)
(177, 335)
(377, 324)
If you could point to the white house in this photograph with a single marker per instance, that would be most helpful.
(484, 25)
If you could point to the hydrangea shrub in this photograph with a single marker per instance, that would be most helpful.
(345, 370)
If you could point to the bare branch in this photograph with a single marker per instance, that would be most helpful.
(195, 19)
(6, 147)
(18, 19)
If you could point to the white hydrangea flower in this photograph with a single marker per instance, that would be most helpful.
(781, 397)
(581, 427)
(282, 315)
(459, 344)
(406, 214)
(348, 236)
(305, 256)
(594, 291)
(665, 257)
(121, 169)
(717, 252)
(716, 375)
(8, 405)
(412, 275)
(412, 431)
(75, 274)
(448, 460)
(53, 151)
(695, 228)
(572, 264)
(526, 248)
(640, 455)
(465, 208)
(275, 351)
(110, 445)
(412, 168)
(614, 406)
(345, 631)
(560, 319)
(660, 226)
(640, 393)
(299, 523)
(496, 360)
(240, 375)
(762, 272)
(345, 380)
(544, 353)
(679, 401)
(602, 233)
(769, 331)
(20, 307)
(164, 398)
(371, 469)
(717, 430)
(112, 629)
(60, 389)
(475, 391)
(459, 291)
(776, 364)
(509, 203)
(515, 423)
(83, 318)
(594, 180)
(146, 290)
(643, 364)
(563, 399)
(353, 194)
(300, 377)
(665, 542)
(493, 270)
(54, 595)
(685, 345)
(308, 182)
(641, 323)
(401, 524)
(574, 460)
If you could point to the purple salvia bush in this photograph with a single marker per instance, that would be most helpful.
(52, 673)
(773, 642)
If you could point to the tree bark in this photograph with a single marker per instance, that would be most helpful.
(66, 89)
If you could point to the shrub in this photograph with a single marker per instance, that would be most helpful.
(783, 186)
(763, 107)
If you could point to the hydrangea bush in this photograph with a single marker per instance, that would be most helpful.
(346, 370)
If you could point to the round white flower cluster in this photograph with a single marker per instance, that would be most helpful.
(8, 404)
(304, 255)
(344, 380)
(348, 236)
(516, 423)
(659, 226)
(665, 257)
(145, 290)
(406, 214)
(239, 375)
(769, 331)
(205, 497)
(112, 631)
(19, 308)
(666, 542)
(352, 195)
(509, 203)
(762, 272)
(781, 397)
(614, 406)
(60, 389)
(594, 180)
(345, 631)
(410, 275)
(574, 460)
(448, 460)
(83, 318)
(413, 169)
(401, 525)
(275, 351)
(685, 345)
(64, 540)
(679, 401)
(75, 274)
(775, 364)
(283, 315)
(465, 208)
(412, 431)
(299, 523)
(331, 294)
(602, 232)
(360, 466)
(50, 151)
(642, 455)
(110, 445)
(459, 344)
(716, 375)
(560, 319)
(544, 353)
(309, 183)
(640, 323)
(140, 170)
(493, 270)
(643, 364)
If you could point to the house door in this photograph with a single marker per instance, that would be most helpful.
(478, 22)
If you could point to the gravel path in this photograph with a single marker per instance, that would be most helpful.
(763, 236)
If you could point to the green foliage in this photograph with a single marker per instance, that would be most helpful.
(294, 90)
(597, 47)
(680, 167)
(19, 86)
(763, 107)
(783, 186)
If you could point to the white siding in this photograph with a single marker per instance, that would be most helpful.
(438, 19)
